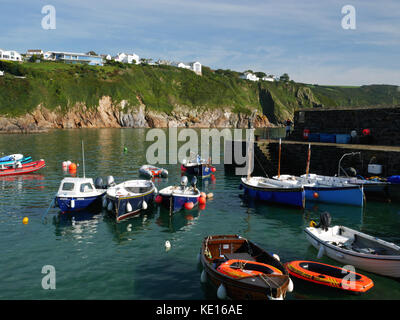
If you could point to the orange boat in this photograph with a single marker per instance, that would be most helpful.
(330, 276)
(239, 269)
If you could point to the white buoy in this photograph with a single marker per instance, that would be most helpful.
(128, 207)
(144, 205)
(167, 245)
(110, 206)
(72, 203)
(129, 228)
(321, 251)
(290, 286)
(203, 277)
(221, 292)
(276, 257)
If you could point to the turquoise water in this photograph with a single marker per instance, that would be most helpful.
(96, 258)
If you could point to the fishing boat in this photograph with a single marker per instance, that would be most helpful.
(78, 194)
(330, 276)
(177, 197)
(355, 248)
(274, 191)
(327, 190)
(18, 168)
(129, 198)
(197, 167)
(240, 269)
(150, 171)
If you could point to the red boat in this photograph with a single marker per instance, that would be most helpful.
(22, 168)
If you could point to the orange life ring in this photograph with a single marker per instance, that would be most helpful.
(237, 269)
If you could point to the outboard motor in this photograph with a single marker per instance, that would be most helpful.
(194, 182)
(324, 221)
(98, 183)
(184, 181)
(110, 181)
(164, 173)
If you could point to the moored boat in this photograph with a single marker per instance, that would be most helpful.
(19, 168)
(274, 191)
(197, 167)
(23, 160)
(129, 198)
(354, 248)
(77, 194)
(328, 190)
(176, 197)
(240, 269)
(11, 157)
(150, 171)
(331, 276)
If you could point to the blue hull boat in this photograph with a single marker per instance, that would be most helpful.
(201, 170)
(327, 191)
(174, 197)
(77, 194)
(273, 191)
(129, 198)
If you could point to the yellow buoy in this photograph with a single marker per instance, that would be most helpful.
(25, 220)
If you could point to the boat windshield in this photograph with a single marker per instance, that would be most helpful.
(68, 186)
(86, 187)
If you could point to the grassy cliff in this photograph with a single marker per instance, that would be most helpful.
(161, 88)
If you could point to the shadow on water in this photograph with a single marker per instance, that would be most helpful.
(177, 221)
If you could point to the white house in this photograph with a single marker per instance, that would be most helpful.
(196, 67)
(249, 76)
(127, 58)
(10, 55)
(268, 78)
(32, 52)
(1, 73)
(73, 57)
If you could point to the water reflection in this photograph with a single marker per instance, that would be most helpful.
(182, 220)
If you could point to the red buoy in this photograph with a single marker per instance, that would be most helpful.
(202, 206)
(158, 199)
(189, 205)
(202, 200)
(316, 195)
(72, 167)
(213, 169)
(183, 168)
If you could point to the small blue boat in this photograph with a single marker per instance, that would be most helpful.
(76, 194)
(175, 197)
(327, 191)
(273, 191)
(129, 198)
(197, 167)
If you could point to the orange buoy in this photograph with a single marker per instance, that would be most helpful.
(72, 167)
(316, 195)
(202, 200)
(189, 205)
(203, 194)
(158, 199)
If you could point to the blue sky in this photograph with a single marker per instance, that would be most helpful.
(302, 38)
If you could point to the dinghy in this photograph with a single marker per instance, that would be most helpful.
(77, 194)
(149, 171)
(355, 248)
(240, 269)
(19, 168)
(129, 198)
(197, 167)
(274, 191)
(175, 197)
(331, 276)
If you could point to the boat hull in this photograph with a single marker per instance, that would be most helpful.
(281, 196)
(176, 203)
(389, 266)
(76, 204)
(339, 195)
(120, 205)
(202, 170)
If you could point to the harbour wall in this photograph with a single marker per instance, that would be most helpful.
(324, 158)
(383, 122)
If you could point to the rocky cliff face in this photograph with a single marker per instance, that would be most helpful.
(109, 115)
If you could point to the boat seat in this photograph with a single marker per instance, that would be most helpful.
(239, 256)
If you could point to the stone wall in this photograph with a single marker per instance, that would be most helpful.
(384, 123)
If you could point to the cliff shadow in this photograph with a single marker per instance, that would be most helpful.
(267, 104)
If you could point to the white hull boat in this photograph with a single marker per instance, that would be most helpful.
(351, 247)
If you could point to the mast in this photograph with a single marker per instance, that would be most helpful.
(308, 159)
(279, 163)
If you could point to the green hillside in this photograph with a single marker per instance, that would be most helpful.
(53, 84)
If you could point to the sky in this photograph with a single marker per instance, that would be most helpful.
(302, 38)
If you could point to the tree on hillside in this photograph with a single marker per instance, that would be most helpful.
(284, 78)
(92, 53)
(260, 74)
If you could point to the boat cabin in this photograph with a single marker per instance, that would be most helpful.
(77, 187)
